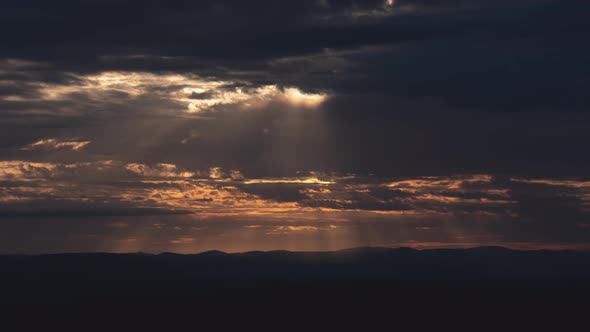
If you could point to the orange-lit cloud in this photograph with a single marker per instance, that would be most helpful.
(309, 180)
(581, 184)
(159, 171)
(221, 204)
(54, 143)
(228, 192)
(183, 240)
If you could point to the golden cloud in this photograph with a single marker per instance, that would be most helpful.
(194, 93)
(54, 143)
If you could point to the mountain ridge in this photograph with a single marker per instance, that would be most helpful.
(362, 249)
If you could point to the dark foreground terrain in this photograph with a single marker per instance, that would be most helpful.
(368, 289)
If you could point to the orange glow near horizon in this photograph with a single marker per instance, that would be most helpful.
(209, 207)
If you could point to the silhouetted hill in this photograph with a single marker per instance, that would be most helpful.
(379, 263)
(357, 289)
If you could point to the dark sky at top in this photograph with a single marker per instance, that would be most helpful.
(307, 125)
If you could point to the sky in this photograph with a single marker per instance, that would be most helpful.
(309, 125)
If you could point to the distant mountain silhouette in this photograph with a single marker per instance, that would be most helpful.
(360, 289)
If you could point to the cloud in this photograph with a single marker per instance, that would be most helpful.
(282, 230)
(411, 50)
(463, 208)
(229, 192)
(193, 135)
(465, 117)
(305, 180)
(409, 91)
(218, 192)
(184, 92)
(182, 240)
(47, 207)
(54, 144)
(159, 171)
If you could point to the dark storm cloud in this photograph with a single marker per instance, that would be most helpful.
(375, 61)
(203, 28)
(492, 55)
(406, 83)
